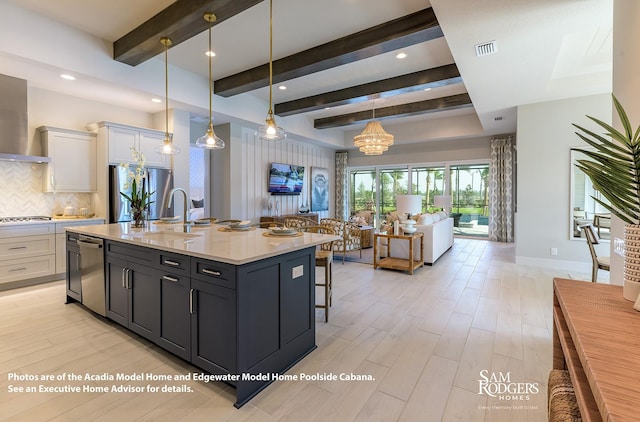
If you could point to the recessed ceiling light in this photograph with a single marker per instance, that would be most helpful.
(67, 77)
(427, 89)
(327, 108)
(401, 55)
(282, 87)
(210, 53)
(156, 100)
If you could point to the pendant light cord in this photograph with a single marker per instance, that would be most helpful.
(270, 55)
(166, 88)
(210, 80)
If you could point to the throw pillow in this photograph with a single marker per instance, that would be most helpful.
(198, 203)
(436, 217)
(425, 219)
(443, 215)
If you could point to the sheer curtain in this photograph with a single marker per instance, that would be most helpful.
(342, 185)
(501, 194)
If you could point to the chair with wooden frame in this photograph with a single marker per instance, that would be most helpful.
(349, 235)
(599, 262)
(324, 258)
(298, 222)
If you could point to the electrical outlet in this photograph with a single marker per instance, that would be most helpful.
(618, 246)
(297, 271)
(554, 251)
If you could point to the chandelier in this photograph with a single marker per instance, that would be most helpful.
(373, 140)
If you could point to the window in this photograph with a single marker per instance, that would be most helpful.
(470, 197)
(375, 189)
(428, 182)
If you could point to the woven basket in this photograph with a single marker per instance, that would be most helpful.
(632, 252)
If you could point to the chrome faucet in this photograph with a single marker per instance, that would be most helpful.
(186, 225)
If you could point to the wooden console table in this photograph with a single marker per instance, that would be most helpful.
(408, 264)
(280, 218)
(596, 336)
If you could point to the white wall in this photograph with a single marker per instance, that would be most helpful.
(240, 172)
(544, 137)
(626, 85)
(428, 152)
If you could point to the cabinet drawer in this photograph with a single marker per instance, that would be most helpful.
(131, 253)
(213, 272)
(174, 263)
(27, 230)
(28, 246)
(21, 269)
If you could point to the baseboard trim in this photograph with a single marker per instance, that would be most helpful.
(554, 264)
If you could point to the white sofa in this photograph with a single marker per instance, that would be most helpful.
(438, 238)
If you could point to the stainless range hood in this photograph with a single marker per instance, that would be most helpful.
(14, 140)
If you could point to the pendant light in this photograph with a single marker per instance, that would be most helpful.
(271, 131)
(209, 140)
(373, 140)
(166, 147)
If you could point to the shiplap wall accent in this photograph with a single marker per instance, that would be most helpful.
(253, 159)
(22, 192)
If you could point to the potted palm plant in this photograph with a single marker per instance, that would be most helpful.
(614, 169)
(137, 194)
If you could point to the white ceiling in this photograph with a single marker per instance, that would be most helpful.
(547, 50)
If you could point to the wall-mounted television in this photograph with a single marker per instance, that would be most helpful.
(285, 179)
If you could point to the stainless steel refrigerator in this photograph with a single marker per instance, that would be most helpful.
(158, 181)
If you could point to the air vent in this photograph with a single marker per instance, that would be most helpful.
(486, 48)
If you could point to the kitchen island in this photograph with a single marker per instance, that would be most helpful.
(239, 305)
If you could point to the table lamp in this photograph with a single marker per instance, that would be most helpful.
(443, 202)
(409, 205)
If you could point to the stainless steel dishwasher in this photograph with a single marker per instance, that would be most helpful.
(92, 273)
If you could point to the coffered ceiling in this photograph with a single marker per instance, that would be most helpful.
(337, 58)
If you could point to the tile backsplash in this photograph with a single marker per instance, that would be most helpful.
(21, 192)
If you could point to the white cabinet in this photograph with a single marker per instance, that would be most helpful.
(120, 139)
(26, 251)
(61, 240)
(73, 160)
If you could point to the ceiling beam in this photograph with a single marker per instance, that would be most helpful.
(430, 78)
(408, 30)
(180, 21)
(421, 107)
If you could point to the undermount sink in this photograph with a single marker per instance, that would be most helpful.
(164, 235)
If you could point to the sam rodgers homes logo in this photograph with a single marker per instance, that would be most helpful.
(499, 384)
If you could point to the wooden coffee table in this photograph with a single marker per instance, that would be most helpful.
(405, 264)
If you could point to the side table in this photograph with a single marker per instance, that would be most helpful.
(409, 264)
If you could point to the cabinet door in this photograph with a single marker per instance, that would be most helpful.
(213, 328)
(74, 285)
(117, 291)
(61, 253)
(148, 141)
(121, 140)
(73, 161)
(144, 300)
(175, 320)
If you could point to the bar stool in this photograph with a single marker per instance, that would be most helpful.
(324, 258)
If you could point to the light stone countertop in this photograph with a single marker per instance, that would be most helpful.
(237, 247)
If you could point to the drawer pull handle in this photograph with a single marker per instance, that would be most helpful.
(128, 278)
(191, 301)
(17, 247)
(18, 269)
(211, 272)
(168, 278)
(172, 263)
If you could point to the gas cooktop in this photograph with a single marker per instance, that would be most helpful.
(27, 219)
